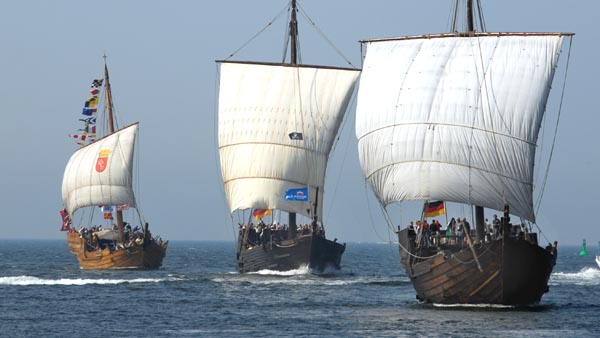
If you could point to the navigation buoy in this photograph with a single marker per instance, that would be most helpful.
(583, 251)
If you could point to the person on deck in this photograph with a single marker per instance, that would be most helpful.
(437, 227)
(432, 227)
(459, 229)
(427, 232)
(488, 226)
(496, 225)
(467, 227)
(451, 223)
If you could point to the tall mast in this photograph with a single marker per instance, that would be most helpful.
(315, 216)
(293, 61)
(111, 129)
(111, 125)
(470, 16)
(479, 212)
(293, 35)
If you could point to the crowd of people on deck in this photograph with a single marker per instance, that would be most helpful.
(458, 231)
(131, 237)
(262, 233)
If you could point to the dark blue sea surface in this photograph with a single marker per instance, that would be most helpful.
(198, 293)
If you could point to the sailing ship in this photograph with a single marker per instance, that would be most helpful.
(598, 256)
(455, 117)
(100, 174)
(277, 123)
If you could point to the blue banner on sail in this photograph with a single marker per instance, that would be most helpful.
(300, 194)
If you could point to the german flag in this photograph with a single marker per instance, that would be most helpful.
(261, 213)
(433, 209)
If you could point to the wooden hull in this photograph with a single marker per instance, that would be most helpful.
(514, 272)
(318, 253)
(139, 257)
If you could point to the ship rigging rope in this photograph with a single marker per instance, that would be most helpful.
(371, 214)
(388, 221)
(316, 28)
(455, 16)
(480, 13)
(416, 256)
(259, 32)
(137, 182)
(286, 39)
(562, 95)
(339, 176)
(541, 232)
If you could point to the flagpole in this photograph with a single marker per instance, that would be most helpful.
(422, 220)
(446, 212)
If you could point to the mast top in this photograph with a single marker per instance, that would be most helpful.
(109, 105)
(293, 35)
(472, 16)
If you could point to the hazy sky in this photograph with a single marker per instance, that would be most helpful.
(161, 57)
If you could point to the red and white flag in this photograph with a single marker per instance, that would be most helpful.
(66, 220)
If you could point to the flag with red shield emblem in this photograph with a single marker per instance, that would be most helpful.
(66, 220)
(102, 161)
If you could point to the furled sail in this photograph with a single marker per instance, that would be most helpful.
(101, 173)
(277, 125)
(455, 118)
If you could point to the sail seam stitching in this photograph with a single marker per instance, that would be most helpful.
(453, 164)
(274, 144)
(429, 124)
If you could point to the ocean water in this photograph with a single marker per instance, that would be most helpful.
(198, 293)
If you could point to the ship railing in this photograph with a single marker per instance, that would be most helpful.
(250, 237)
(439, 239)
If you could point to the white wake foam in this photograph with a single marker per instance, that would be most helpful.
(302, 270)
(481, 306)
(31, 280)
(586, 276)
(304, 280)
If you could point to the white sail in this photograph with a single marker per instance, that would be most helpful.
(455, 118)
(260, 105)
(101, 173)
